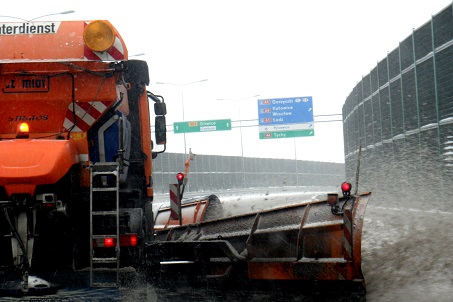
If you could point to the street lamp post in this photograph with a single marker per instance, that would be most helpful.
(181, 86)
(60, 13)
(137, 55)
(240, 131)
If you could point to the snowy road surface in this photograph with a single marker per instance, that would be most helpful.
(406, 250)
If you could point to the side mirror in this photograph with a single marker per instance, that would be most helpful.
(160, 108)
(160, 130)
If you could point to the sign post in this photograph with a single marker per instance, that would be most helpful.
(175, 202)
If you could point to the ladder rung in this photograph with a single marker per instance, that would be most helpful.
(105, 260)
(103, 213)
(104, 284)
(94, 173)
(110, 189)
(105, 163)
(105, 168)
(103, 236)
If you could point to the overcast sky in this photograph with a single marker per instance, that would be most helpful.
(274, 49)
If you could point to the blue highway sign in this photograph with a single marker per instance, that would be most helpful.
(285, 111)
(285, 117)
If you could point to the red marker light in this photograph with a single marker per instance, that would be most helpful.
(346, 187)
(180, 177)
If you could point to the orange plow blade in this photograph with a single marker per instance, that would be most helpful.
(310, 241)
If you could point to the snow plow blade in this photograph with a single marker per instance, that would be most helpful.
(311, 241)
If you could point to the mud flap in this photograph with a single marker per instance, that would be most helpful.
(22, 229)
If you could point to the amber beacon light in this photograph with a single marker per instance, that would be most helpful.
(22, 130)
(99, 35)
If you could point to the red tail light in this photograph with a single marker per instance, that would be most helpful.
(48, 205)
(109, 242)
(128, 240)
(133, 240)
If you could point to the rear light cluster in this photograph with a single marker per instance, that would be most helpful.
(126, 240)
(47, 200)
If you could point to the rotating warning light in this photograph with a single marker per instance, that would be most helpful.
(24, 128)
(346, 188)
(180, 178)
(99, 35)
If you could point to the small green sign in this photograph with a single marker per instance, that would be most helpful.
(202, 126)
(286, 134)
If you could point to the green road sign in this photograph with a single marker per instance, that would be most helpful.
(202, 126)
(286, 134)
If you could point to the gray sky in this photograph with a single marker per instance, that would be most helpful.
(275, 49)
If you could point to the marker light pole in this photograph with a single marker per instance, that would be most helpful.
(181, 86)
(240, 130)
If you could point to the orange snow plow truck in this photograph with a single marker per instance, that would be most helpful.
(75, 148)
(76, 178)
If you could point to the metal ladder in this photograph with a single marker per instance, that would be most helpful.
(104, 181)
